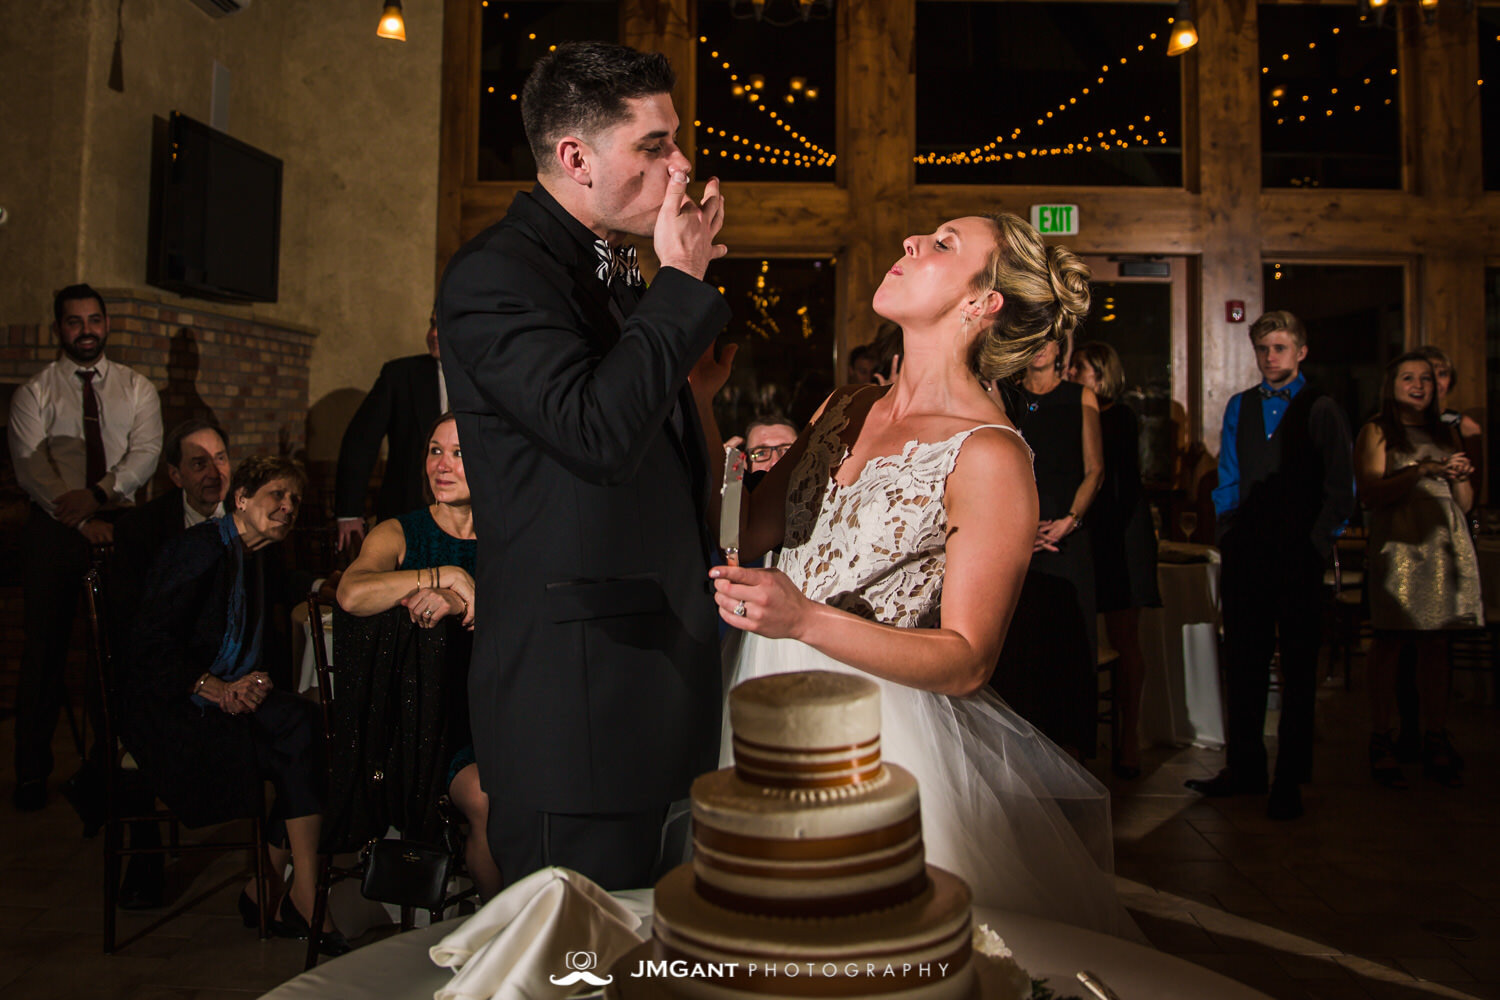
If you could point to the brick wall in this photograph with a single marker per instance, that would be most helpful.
(249, 376)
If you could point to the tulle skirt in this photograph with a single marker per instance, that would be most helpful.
(1002, 807)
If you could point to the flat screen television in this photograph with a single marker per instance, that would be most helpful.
(215, 228)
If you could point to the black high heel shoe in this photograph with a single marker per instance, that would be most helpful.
(1385, 767)
(249, 911)
(331, 943)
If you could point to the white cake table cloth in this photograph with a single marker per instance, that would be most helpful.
(1181, 702)
(400, 968)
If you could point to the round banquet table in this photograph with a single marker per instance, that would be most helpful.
(398, 968)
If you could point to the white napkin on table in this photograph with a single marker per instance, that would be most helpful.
(518, 945)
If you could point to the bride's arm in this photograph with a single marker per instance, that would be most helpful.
(992, 515)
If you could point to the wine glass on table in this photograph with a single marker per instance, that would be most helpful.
(1187, 520)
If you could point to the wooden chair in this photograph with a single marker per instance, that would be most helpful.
(1345, 581)
(116, 816)
(329, 873)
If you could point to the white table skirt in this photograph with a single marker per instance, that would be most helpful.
(398, 968)
(1181, 704)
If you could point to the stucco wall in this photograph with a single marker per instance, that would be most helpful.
(353, 117)
(43, 67)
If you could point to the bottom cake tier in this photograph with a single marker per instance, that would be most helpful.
(919, 950)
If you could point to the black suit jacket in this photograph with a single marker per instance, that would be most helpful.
(595, 682)
(140, 535)
(401, 406)
(200, 762)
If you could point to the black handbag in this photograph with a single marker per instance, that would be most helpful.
(405, 873)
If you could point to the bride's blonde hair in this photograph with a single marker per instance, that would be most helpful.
(1045, 291)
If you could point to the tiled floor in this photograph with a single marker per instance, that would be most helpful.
(1345, 904)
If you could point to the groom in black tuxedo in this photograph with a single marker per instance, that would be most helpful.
(594, 687)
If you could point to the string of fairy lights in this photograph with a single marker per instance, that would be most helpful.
(1102, 140)
(752, 89)
(1310, 105)
(1294, 106)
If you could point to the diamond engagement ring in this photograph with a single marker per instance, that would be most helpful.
(739, 609)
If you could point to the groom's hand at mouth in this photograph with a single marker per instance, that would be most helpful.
(763, 601)
(685, 230)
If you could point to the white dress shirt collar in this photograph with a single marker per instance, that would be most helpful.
(100, 365)
(191, 517)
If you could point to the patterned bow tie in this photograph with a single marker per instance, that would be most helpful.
(617, 262)
(1266, 393)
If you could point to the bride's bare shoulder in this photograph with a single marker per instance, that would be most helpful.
(994, 458)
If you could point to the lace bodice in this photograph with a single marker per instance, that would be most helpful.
(874, 548)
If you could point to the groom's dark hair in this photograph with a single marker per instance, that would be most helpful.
(581, 90)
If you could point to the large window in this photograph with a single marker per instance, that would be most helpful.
(767, 107)
(1330, 109)
(516, 33)
(1354, 316)
(1047, 93)
(783, 323)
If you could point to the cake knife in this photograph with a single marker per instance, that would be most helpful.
(731, 494)
(1097, 986)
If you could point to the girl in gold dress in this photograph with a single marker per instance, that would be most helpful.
(1413, 477)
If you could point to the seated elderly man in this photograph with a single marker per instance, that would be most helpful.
(197, 460)
(196, 453)
(206, 706)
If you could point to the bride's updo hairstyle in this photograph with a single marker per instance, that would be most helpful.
(1045, 291)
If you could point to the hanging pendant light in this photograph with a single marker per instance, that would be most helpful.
(392, 24)
(1184, 34)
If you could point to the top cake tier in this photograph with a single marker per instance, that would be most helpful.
(810, 729)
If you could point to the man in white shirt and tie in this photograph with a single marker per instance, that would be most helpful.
(84, 436)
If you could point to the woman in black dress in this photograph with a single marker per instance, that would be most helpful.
(1124, 544)
(402, 643)
(1047, 671)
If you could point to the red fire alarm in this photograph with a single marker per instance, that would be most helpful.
(1234, 311)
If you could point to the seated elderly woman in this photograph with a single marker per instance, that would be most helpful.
(206, 703)
(401, 661)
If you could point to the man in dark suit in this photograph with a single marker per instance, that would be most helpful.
(197, 459)
(594, 686)
(196, 453)
(402, 406)
(1286, 487)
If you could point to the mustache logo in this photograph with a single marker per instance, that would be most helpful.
(581, 977)
(581, 962)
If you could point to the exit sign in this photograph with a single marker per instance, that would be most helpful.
(1055, 220)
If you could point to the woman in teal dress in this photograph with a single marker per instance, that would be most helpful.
(401, 653)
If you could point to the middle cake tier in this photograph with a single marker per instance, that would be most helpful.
(829, 852)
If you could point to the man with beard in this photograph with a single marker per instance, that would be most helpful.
(84, 436)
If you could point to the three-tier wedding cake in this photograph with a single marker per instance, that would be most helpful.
(808, 876)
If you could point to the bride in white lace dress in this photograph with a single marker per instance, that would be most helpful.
(906, 517)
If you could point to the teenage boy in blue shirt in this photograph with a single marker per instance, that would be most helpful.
(1286, 487)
